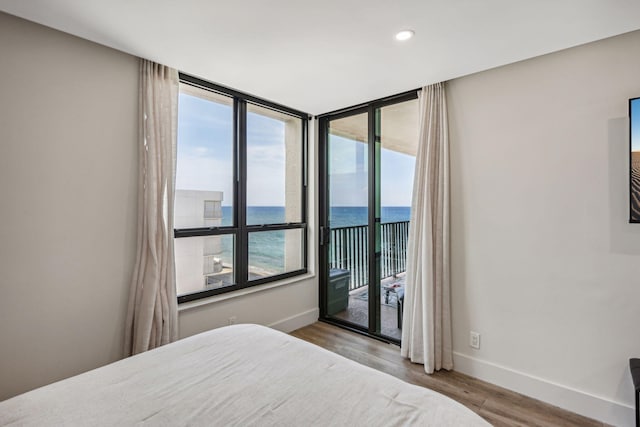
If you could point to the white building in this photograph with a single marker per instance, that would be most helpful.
(199, 263)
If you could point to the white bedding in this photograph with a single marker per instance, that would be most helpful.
(244, 375)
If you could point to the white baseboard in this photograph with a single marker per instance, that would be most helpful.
(296, 321)
(589, 405)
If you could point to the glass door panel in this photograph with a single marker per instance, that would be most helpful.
(398, 124)
(348, 195)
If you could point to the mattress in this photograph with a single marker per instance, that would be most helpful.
(241, 375)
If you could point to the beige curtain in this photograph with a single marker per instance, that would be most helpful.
(152, 317)
(426, 333)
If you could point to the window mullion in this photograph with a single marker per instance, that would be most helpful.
(305, 177)
(242, 247)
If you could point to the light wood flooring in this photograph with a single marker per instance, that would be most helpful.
(497, 405)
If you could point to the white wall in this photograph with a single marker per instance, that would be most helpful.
(545, 264)
(67, 201)
(285, 307)
(68, 128)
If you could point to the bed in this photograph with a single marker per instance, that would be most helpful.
(243, 375)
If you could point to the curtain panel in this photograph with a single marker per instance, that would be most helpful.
(152, 315)
(426, 333)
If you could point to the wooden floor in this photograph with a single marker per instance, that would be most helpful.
(499, 406)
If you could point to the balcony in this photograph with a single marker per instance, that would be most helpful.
(348, 251)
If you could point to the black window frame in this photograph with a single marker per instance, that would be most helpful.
(239, 229)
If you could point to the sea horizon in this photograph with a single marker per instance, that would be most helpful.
(266, 250)
(339, 216)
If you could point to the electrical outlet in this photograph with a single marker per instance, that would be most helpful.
(474, 340)
(232, 320)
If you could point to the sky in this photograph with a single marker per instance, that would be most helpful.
(205, 159)
(635, 124)
(348, 174)
(205, 152)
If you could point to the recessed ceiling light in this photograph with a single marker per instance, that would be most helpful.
(405, 35)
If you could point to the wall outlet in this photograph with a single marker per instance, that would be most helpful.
(474, 340)
(233, 320)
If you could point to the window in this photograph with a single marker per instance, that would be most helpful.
(212, 209)
(240, 203)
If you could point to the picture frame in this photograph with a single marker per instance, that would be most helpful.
(634, 160)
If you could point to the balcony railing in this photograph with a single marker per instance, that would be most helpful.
(348, 250)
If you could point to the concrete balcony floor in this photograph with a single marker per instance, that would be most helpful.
(358, 309)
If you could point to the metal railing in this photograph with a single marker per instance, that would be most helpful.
(348, 250)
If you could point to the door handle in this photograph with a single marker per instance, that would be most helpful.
(325, 235)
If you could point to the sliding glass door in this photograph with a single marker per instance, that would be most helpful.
(367, 156)
(348, 217)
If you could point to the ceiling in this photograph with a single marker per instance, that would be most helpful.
(325, 55)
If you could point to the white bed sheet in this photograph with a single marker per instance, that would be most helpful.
(244, 375)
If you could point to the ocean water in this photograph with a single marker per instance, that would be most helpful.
(266, 249)
(340, 216)
(347, 216)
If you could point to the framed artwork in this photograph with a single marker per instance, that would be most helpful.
(634, 159)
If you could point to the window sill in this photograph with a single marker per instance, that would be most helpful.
(242, 292)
